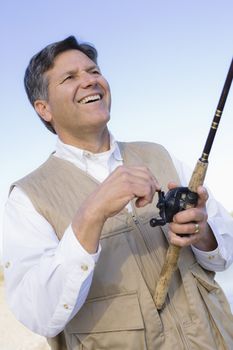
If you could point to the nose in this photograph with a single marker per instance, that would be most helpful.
(87, 80)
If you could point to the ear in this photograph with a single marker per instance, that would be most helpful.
(43, 109)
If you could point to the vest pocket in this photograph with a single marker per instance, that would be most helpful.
(217, 306)
(113, 322)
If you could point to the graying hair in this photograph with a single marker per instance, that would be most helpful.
(35, 81)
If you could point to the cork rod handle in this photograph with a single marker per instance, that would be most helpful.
(173, 253)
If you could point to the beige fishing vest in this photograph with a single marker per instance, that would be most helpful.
(119, 312)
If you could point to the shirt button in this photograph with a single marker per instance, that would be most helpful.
(88, 155)
(66, 306)
(7, 264)
(84, 267)
(210, 257)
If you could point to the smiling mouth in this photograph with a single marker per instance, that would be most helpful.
(90, 99)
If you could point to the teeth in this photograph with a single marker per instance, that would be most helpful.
(90, 98)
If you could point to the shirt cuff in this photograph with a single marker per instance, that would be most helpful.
(70, 248)
(214, 260)
(78, 268)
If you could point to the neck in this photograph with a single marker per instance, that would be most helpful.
(95, 143)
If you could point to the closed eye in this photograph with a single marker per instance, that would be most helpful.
(69, 77)
(96, 71)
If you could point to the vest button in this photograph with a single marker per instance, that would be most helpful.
(66, 306)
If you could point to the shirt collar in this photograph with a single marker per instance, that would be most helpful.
(75, 154)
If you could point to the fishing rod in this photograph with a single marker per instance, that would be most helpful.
(182, 198)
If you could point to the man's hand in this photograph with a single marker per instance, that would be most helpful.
(124, 184)
(192, 225)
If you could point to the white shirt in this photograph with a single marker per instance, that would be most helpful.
(47, 280)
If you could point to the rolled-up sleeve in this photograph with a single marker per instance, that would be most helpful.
(47, 280)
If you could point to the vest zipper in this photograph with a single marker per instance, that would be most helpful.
(135, 219)
(138, 224)
(168, 304)
(178, 326)
(154, 260)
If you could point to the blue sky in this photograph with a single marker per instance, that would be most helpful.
(166, 62)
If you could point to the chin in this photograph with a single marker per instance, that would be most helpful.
(103, 118)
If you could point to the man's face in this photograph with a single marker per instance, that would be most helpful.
(78, 95)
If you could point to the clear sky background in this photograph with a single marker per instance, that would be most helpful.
(166, 62)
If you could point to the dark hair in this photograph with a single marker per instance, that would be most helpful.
(35, 82)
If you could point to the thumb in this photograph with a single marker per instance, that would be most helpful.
(202, 196)
(171, 185)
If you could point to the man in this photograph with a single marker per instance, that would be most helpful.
(81, 259)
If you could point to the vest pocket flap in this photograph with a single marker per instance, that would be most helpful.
(114, 313)
(204, 278)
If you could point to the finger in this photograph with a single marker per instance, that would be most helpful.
(123, 172)
(202, 196)
(144, 193)
(135, 186)
(146, 174)
(190, 228)
(141, 183)
(136, 182)
(183, 241)
(190, 215)
(142, 202)
(171, 185)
